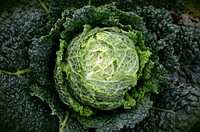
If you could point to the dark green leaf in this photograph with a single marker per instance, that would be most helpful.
(112, 121)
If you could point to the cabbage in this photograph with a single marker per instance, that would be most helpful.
(102, 66)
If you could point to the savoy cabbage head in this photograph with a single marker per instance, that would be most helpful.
(101, 65)
(104, 66)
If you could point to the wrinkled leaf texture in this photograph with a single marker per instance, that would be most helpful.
(20, 42)
(19, 111)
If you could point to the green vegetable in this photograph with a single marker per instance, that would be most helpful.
(85, 66)
(102, 65)
(89, 88)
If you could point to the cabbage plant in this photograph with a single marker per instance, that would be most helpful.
(102, 66)
(74, 66)
(106, 67)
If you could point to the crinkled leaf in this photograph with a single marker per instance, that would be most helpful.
(111, 121)
(18, 110)
(190, 55)
(176, 108)
(17, 28)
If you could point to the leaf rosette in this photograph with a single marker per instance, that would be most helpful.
(108, 68)
(103, 65)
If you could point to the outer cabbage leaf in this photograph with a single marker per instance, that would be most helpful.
(190, 55)
(181, 113)
(176, 108)
(159, 23)
(16, 34)
(117, 120)
(18, 110)
(177, 6)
